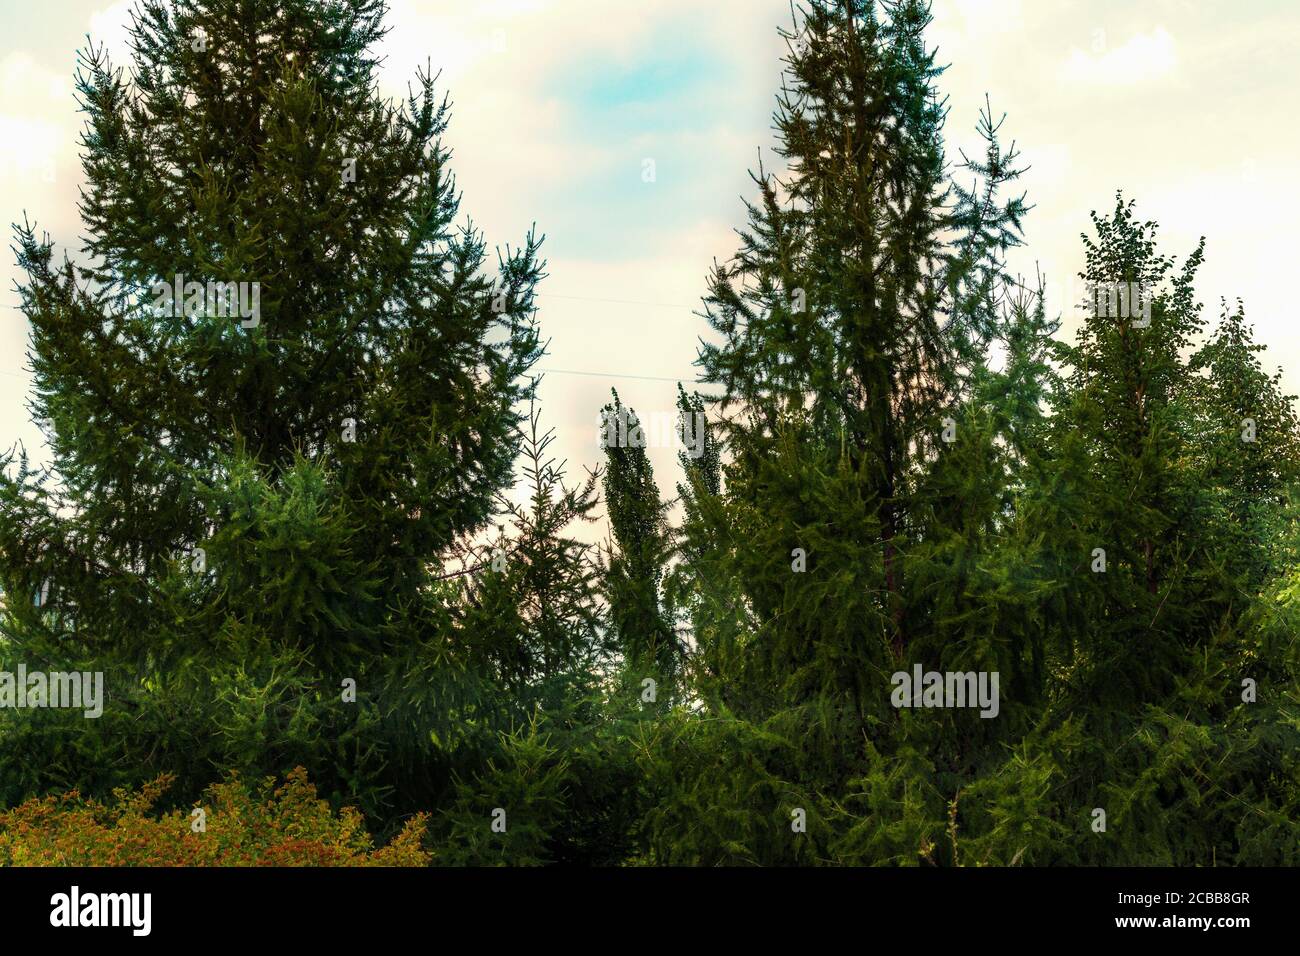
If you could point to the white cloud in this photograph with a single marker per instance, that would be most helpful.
(33, 128)
(1143, 57)
(109, 26)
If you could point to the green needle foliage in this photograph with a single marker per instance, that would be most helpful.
(638, 521)
(331, 533)
(1081, 520)
(259, 508)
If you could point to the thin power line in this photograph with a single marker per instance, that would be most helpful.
(586, 298)
(575, 298)
(647, 378)
(547, 371)
(565, 371)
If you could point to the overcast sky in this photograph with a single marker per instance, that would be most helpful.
(1187, 105)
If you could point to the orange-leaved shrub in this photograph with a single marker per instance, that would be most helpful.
(267, 826)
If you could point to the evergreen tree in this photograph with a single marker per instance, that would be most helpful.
(1245, 435)
(703, 605)
(1160, 622)
(831, 311)
(1129, 391)
(281, 466)
(532, 604)
(851, 324)
(638, 521)
(376, 352)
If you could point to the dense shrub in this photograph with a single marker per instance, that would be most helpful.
(243, 826)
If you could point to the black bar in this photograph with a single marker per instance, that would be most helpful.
(635, 907)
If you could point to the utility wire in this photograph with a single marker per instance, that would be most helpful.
(645, 378)
(562, 371)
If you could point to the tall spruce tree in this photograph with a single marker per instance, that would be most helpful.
(849, 314)
(532, 603)
(1156, 626)
(849, 326)
(1130, 392)
(638, 522)
(703, 605)
(831, 311)
(1245, 434)
(283, 465)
